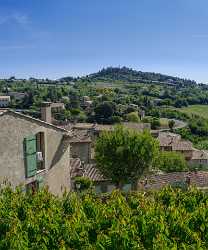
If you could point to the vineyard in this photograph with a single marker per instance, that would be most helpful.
(169, 219)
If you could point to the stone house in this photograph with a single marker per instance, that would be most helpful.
(173, 142)
(4, 101)
(17, 95)
(33, 152)
(199, 158)
(158, 181)
(101, 183)
(81, 147)
(95, 129)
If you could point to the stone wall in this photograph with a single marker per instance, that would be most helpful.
(81, 150)
(13, 130)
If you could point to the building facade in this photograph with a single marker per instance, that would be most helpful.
(33, 153)
(4, 101)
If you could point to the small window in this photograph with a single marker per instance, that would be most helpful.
(40, 145)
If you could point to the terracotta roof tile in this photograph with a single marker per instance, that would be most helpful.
(87, 170)
(199, 155)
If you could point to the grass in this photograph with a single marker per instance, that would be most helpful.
(201, 110)
(164, 122)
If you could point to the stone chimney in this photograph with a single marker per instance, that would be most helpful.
(46, 112)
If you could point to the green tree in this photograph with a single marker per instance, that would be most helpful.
(104, 111)
(132, 117)
(171, 162)
(123, 155)
(155, 123)
(171, 124)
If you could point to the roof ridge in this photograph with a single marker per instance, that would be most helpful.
(35, 119)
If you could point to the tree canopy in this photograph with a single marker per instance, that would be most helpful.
(123, 155)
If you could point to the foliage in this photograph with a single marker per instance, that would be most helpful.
(171, 124)
(127, 74)
(169, 219)
(123, 155)
(133, 117)
(199, 110)
(171, 162)
(84, 182)
(155, 123)
(104, 111)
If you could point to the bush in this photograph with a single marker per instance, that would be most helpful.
(168, 219)
(132, 117)
(171, 162)
(84, 182)
(155, 123)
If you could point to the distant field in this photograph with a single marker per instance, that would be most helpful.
(164, 122)
(201, 110)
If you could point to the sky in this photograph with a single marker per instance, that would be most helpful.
(57, 38)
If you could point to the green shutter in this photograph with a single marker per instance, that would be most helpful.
(30, 155)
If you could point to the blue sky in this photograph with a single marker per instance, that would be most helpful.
(55, 38)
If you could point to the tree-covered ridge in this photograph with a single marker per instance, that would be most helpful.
(169, 219)
(130, 75)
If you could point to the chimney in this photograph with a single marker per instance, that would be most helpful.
(46, 112)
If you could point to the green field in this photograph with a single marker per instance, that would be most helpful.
(201, 110)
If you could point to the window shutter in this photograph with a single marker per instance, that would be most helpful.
(30, 155)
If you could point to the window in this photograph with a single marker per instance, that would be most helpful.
(34, 153)
(30, 155)
(40, 146)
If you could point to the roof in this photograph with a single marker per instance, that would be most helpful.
(57, 105)
(157, 181)
(80, 136)
(199, 155)
(136, 126)
(4, 97)
(76, 170)
(182, 146)
(32, 119)
(167, 139)
(105, 127)
(86, 170)
(83, 125)
(93, 173)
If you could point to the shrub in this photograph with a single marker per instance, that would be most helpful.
(84, 182)
(171, 162)
(168, 219)
(132, 117)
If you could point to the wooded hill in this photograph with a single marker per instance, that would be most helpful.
(130, 75)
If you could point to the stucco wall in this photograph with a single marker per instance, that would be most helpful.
(13, 130)
(81, 150)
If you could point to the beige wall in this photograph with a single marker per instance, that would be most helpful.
(81, 150)
(187, 154)
(13, 130)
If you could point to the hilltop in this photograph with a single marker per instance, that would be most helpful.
(129, 75)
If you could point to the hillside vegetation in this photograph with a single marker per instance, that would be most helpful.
(130, 75)
(199, 110)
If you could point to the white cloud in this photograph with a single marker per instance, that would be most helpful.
(16, 17)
